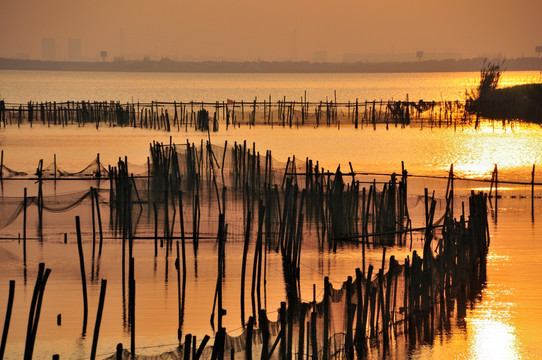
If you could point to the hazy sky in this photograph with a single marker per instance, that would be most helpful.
(270, 30)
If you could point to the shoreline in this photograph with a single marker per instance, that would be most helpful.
(166, 65)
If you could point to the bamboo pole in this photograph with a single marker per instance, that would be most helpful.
(249, 332)
(24, 226)
(183, 248)
(98, 214)
(99, 313)
(186, 347)
(532, 193)
(314, 339)
(179, 302)
(132, 293)
(243, 266)
(35, 309)
(83, 275)
(93, 222)
(282, 319)
(325, 346)
(201, 347)
(7, 319)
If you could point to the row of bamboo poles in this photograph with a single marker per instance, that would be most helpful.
(341, 210)
(206, 116)
(419, 276)
(411, 299)
(421, 285)
(428, 289)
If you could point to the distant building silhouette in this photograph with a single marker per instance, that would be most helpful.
(48, 49)
(74, 49)
(395, 57)
(419, 55)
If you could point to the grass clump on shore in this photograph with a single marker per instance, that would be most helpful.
(523, 102)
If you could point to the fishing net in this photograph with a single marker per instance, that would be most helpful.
(415, 298)
(7, 172)
(12, 207)
(94, 169)
(407, 296)
(389, 305)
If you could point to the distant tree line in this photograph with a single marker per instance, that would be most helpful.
(168, 65)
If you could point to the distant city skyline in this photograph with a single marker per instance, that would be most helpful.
(389, 30)
(72, 50)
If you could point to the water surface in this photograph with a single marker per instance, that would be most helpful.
(22, 86)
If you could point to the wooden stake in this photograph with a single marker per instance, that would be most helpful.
(7, 319)
(98, 319)
(243, 266)
(97, 203)
(83, 275)
(93, 221)
(24, 227)
(177, 266)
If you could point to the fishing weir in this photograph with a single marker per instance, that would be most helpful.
(192, 194)
(209, 116)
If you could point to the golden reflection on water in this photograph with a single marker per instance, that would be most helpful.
(494, 339)
(492, 322)
(494, 144)
(511, 79)
(486, 189)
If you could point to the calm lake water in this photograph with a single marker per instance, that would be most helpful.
(22, 86)
(503, 323)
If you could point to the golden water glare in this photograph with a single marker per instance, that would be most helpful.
(492, 323)
(493, 339)
(492, 144)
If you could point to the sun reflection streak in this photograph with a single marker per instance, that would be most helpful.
(494, 339)
(479, 154)
(493, 324)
